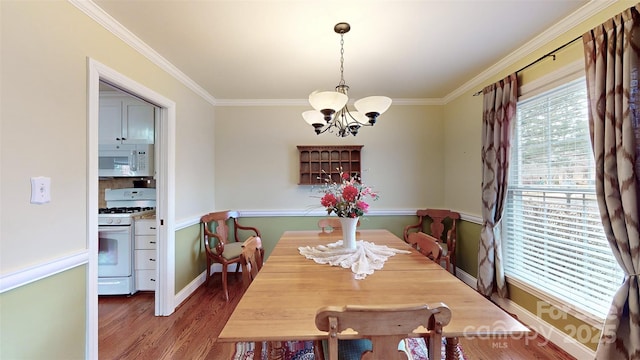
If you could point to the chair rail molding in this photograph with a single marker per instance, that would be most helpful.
(195, 219)
(34, 273)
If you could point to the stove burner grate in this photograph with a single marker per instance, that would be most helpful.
(123, 210)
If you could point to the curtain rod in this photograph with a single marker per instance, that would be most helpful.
(551, 53)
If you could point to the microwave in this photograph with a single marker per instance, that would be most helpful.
(124, 160)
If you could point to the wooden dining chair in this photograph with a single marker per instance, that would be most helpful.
(440, 219)
(223, 250)
(251, 258)
(385, 326)
(331, 223)
(427, 245)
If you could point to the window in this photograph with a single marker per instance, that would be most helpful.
(554, 241)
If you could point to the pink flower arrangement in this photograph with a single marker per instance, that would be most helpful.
(346, 198)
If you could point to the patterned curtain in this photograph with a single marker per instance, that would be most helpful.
(611, 60)
(498, 113)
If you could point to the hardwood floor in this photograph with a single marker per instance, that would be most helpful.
(128, 330)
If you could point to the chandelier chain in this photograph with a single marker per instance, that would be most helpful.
(341, 59)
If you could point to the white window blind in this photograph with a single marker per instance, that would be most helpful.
(553, 236)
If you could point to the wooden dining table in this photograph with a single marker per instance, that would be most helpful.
(281, 302)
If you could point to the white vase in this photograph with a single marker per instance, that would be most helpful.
(349, 226)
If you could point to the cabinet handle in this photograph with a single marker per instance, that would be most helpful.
(118, 139)
(152, 242)
(152, 259)
(124, 138)
(152, 227)
(152, 279)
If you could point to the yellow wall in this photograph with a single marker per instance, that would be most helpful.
(45, 46)
(257, 162)
(461, 155)
(43, 122)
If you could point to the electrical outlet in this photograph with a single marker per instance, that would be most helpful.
(40, 190)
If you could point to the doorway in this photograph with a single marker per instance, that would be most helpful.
(165, 188)
(127, 256)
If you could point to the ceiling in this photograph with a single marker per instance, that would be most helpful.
(275, 49)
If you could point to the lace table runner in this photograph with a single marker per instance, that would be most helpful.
(363, 261)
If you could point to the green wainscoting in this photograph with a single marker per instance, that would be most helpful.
(45, 319)
(272, 228)
(467, 247)
(561, 320)
(190, 259)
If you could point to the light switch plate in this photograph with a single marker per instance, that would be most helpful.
(40, 190)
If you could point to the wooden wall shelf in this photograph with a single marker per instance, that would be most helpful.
(317, 162)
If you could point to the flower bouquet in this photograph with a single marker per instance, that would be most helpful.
(347, 200)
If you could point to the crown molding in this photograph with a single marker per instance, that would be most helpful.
(305, 102)
(112, 25)
(262, 102)
(418, 102)
(101, 17)
(563, 26)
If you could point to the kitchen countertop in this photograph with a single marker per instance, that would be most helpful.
(145, 216)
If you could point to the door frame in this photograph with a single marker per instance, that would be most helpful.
(165, 203)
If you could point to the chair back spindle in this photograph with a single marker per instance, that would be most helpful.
(251, 259)
(427, 245)
(385, 326)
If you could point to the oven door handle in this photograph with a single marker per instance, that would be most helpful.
(124, 228)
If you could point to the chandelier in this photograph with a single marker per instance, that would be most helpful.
(331, 113)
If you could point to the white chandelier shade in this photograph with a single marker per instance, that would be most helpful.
(313, 117)
(373, 106)
(328, 102)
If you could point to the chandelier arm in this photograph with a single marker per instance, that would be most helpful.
(326, 128)
(354, 119)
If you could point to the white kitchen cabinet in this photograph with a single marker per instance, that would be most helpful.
(145, 254)
(125, 120)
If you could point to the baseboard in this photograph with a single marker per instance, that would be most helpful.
(466, 278)
(546, 330)
(186, 291)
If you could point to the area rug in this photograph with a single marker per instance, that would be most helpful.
(416, 349)
(303, 350)
(293, 350)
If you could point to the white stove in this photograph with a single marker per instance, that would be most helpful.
(115, 237)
